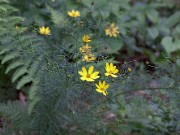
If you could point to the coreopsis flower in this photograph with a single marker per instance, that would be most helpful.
(17, 27)
(111, 70)
(89, 75)
(102, 88)
(129, 69)
(89, 57)
(74, 13)
(112, 30)
(85, 49)
(86, 39)
(44, 30)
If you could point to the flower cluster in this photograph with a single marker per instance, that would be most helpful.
(90, 75)
(88, 56)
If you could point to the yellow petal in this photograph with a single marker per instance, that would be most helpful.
(115, 71)
(94, 75)
(107, 67)
(97, 86)
(99, 90)
(106, 74)
(89, 79)
(104, 83)
(106, 86)
(113, 75)
(100, 84)
(81, 73)
(84, 70)
(90, 69)
(83, 78)
(111, 66)
(105, 93)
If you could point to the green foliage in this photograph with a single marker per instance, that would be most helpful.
(45, 68)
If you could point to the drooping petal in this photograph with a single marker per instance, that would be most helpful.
(98, 90)
(89, 79)
(83, 78)
(104, 93)
(106, 74)
(113, 75)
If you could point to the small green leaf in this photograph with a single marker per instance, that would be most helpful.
(153, 32)
(153, 15)
(170, 45)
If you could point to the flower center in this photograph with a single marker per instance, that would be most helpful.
(110, 72)
(88, 75)
(111, 29)
(102, 89)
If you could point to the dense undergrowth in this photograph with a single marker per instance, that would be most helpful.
(89, 67)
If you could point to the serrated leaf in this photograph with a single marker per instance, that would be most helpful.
(24, 80)
(21, 71)
(13, 66)
(9, 57)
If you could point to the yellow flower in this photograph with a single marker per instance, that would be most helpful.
(86, 38)
(111, 70)
(85, 48)
(102, 88)
(129, 69)
(89, 75)
(17, 27)
(112, 30)
(74, 13)
(89, 57)
(44, 30)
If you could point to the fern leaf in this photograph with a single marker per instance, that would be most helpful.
(9, 57)
(2, 9)
(4, 1)
(34, 67)
(21, 71)
(4, 50)
(32, 104)
(24, 80)
(57, 17)
(13, 66)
